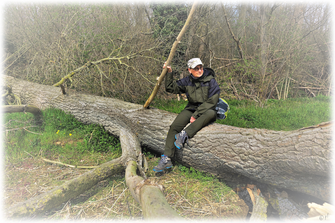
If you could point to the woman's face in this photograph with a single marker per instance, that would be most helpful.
(197, 72)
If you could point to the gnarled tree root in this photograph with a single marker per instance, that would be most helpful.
(24, 108)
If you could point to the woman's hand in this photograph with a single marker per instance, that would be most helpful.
(192, 119)
(169, 70)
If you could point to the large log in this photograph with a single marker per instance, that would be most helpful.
(298, 160)
(71, 189)
(145, 191)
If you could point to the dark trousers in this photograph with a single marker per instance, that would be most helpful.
(179, 124)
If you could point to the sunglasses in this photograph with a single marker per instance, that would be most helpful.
(198, 68)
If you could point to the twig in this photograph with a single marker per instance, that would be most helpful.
(208, 202)
(18, 56)
(63, 164)
(8, 130)
(78, 215)
(28, 153)
(110, 209)
(186, 189)
(91, 136)
(66, 204)
(184, 198)
(311, 92)
(27, 189)
(101, 73)
(56, 162)
(32, 132)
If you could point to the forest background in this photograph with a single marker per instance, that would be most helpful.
(258, 51)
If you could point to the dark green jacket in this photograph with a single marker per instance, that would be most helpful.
(202, 93)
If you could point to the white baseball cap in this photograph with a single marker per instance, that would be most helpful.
(192, 63)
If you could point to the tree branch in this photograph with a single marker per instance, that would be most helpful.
(104, 60)
(172, 52)
(239, 47)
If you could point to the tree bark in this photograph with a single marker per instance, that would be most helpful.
(21, 108)
(148, 194)
(71, 189)
(298, 160)
(259, 211)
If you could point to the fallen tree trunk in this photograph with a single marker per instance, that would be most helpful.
(71, 189)
(298, 160)
(146, 192)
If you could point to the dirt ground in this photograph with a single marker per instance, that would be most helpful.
(109, 199)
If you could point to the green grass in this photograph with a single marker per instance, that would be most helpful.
(60, 137)
(276, 115)
(206, 180)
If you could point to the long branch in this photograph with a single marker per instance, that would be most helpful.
(172, 52)
(107, 59)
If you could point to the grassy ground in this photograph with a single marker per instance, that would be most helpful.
(61, 137)
(276, 115)
(192, 193)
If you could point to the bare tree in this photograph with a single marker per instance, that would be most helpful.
(276, 50)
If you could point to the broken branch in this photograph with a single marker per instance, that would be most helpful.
(172, 52)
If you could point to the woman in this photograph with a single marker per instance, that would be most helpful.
(203, 93)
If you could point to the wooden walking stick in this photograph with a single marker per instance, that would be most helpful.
(172, 52)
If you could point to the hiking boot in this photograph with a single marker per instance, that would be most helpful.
(180, 139)
(164, 163)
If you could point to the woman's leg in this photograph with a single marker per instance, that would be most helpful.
(178, 124)
(200, 122)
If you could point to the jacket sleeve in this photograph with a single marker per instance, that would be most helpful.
(213, 98)
(172, 86)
